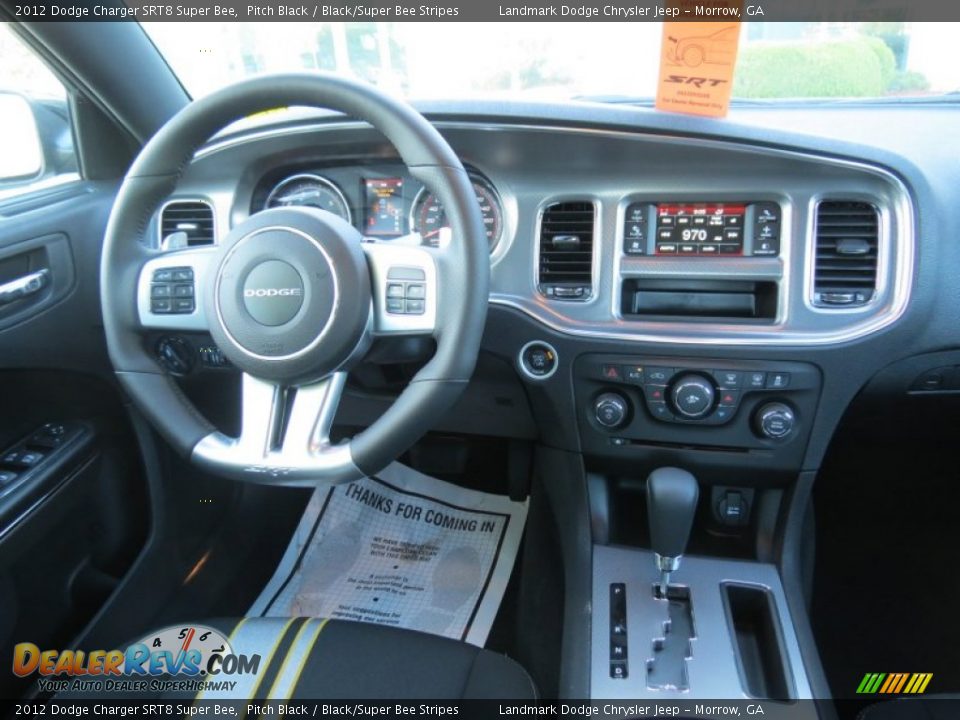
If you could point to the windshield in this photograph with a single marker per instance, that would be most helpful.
(604, 61)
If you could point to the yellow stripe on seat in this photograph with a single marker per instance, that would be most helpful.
(233, 636)
(296, 660)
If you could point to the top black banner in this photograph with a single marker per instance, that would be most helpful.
(485, 10)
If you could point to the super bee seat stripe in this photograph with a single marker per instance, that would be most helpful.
(252, 638)
(289, 676)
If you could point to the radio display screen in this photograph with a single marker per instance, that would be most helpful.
(700, 228)
(384, 209)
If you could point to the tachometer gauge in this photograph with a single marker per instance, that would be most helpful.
(310, 190)
(428, 216)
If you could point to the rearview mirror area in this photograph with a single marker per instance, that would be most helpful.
(21, 150)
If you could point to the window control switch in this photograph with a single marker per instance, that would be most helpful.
(7, 477)
(24, 459)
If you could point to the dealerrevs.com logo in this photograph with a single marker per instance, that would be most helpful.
(181, 658)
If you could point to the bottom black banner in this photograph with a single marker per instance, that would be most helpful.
(866, 708)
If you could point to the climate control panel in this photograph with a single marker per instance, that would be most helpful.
(695, 395)
(655, 403)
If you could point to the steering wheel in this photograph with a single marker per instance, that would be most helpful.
(294, 297)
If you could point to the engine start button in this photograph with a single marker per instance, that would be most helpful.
(273, 293)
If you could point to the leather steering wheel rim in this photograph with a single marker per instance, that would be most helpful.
(460, 302)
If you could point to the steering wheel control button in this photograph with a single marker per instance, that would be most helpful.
(273, 293)
(538, 360)
(775, 421)
(693, 396)
(416, 291)
(414, 307)
(406, 298)
(172, 291)
(610, 410)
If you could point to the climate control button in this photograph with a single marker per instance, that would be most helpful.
(692, 396)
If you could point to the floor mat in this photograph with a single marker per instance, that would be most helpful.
(401, 549)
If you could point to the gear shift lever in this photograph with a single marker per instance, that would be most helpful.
(671, 503)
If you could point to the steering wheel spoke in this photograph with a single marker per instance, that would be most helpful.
(169, 290)
(404, 285)
(284, 436)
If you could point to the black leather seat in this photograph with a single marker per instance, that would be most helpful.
(310, 658)
(927, 707)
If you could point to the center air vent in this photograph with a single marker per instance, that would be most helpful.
(847, 235)
(566, 251)
(186, 223)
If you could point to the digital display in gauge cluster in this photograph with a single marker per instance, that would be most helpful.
(385, 212)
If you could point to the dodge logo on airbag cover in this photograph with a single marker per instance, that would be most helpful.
(273, 293)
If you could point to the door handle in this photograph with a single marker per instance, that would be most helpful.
(21, 287)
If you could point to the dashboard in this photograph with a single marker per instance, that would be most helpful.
(670, 285)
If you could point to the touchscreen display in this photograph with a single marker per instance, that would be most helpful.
(383, 207)
(700, 228)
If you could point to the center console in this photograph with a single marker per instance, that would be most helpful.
(723, 631)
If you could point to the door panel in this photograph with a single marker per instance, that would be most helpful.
(73, 502)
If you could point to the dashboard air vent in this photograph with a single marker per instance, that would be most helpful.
(847, 238)
(192, 218)
(566, 250)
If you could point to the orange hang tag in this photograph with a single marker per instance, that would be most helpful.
(697, 60)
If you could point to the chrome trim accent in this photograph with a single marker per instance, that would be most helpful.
(712, 668)
(311, 176)
(304, 456)
(24, 286)
(189, 199)
(197, 258)
(595, 259)
(336, 296)
(523, 368)
(743, 267)
(876, 317)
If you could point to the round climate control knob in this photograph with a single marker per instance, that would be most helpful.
(693, 396)
(775, 421)
(610, 410)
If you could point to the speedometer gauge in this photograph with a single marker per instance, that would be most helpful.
(428, 216)
(312, 191)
